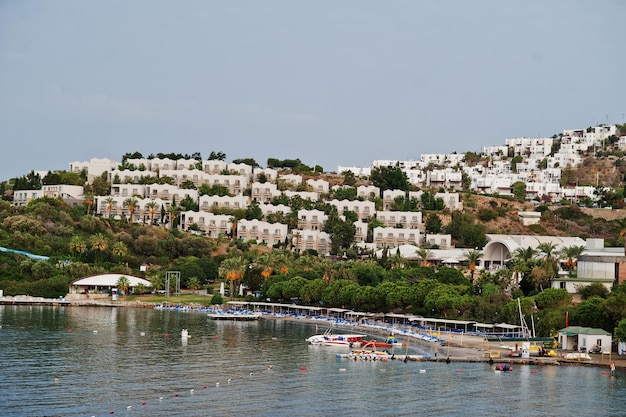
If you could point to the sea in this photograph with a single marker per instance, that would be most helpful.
(102, 361)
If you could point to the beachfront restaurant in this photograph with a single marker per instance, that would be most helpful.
(105, 284)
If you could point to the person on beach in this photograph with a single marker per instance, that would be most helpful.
(612, 368)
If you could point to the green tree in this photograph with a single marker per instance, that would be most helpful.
(433, 223)
(519, 190)
(232, 269)
(194, 284)
(123, 284)
(341, 233)
(389, 178)
(120, 250)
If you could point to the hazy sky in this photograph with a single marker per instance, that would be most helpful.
(330, 82)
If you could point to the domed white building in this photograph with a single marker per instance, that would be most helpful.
(105, 283)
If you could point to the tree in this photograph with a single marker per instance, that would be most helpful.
(220, 156)
(109, 200)
(173, 210)
(472, 257)
(120, 250)
(571, 254)
(519, 190)
(123, 284)
(152, 208)
(466, 231)
(77, 245)
(423, 254)
(620, 330)
(621, 223)
(389, 178)
(194, 284)
(232, 269)
(130, 204)
(99, 244)
(433, 223)
(349, 178)
(341, 233)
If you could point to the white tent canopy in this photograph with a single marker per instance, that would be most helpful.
(105, 282)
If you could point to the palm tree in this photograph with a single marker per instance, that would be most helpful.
(232, 269)
(109, 200)
(130, 203)
(397, 261)
(266, 262)
(89, 203)
(99, 243)
(173, 211)
(549, 262)
(194, 284)
(423, 254)
(621, 223)
(571, 253)
(120, 250)
(472, 257)
(233, 228)
(78, 245)
(123, 284)
(152, 207)
(525, 254)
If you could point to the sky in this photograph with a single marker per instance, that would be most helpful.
(329, 82)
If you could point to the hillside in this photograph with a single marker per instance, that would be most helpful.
(562, 220)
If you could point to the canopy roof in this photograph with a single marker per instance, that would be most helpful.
(110, 280)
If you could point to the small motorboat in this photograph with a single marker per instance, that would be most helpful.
(503, 367)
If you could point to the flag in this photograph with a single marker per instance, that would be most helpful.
(567, 319)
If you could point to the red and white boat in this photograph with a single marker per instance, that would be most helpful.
(339, 339)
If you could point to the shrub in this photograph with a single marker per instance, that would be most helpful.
(217, 299)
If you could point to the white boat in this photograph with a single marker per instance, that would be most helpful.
(339, 339)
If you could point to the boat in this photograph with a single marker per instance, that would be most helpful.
(503, 367)
(328, 338)
(389, 342)
(370, 355)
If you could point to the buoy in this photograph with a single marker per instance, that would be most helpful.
(422, 371)
(167, 334)
(56, 380)
(21, 327)
(459, 370)
(142, 334)
(269, 367)
(160, 398)
(184, 334)
(95, 331)
(217, 384)
(143, 403)
(215, 337)
(303, 368)
(129, 407)
(342, 369)
(533, 372)
(250, 373)
(176, 395)
(229, 380)
(204, 387)
(69, 330)
(112, 412)
(191, 391)
(118, 332)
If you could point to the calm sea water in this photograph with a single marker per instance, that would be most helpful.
(101, 361)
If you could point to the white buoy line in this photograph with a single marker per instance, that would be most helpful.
(192, 391)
